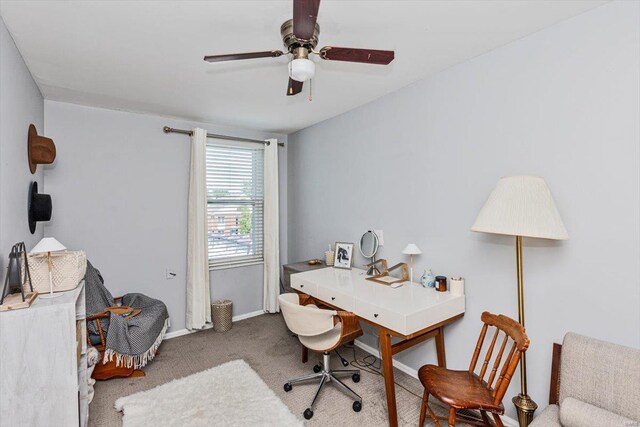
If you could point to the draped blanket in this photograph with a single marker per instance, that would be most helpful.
(132, 341)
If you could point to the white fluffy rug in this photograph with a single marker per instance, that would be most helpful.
(231, 394)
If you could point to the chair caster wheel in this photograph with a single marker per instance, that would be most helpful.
(287, 387)
(355, 378)
(357, 406)
(317, 369)
(345, 363)
(308, 413)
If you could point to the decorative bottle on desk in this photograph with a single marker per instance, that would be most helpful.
(427, 279)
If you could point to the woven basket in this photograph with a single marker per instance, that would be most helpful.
(221, 315)
(67, 268)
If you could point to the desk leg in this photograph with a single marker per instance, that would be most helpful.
(442, 358)
(389, 385)
(305, 353)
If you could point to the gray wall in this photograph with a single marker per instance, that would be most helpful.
(20, 105)
(121, 190)
(420, 163)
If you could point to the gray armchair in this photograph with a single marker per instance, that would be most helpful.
(594, 383)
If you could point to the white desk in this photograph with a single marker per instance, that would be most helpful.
(410, 312)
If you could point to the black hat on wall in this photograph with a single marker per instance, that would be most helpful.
(40, 207)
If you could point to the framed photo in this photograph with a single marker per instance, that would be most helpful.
(344, 255)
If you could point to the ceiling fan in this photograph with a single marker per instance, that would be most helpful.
(300, 37)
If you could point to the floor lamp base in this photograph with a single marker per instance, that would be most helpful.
(525, 407)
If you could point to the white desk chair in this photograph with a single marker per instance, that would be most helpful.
(323, 331)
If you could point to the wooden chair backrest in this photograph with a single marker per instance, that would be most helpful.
(513, 331)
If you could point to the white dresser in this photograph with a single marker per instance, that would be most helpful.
(43, 363)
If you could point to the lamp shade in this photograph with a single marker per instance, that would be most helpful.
(47, 244)
(411, 249)
(521, 206)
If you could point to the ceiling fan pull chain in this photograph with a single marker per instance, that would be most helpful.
(310, 90)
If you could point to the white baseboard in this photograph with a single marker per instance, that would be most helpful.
(247, 315)
(181, 332)
(508, 421)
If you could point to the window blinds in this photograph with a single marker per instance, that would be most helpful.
(235, 201)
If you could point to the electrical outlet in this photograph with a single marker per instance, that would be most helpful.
(169, 274)
(380, 235)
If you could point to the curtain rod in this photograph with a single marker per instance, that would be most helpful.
(168, 129)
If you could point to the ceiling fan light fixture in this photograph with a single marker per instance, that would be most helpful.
(302, 69)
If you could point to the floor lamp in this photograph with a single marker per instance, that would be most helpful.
(521, 206)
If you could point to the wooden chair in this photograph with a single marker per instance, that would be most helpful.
(108, 370)
(468, 390)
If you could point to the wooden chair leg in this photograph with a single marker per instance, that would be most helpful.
(137, 374)
(452, 417)
(423, 407)
(432, 415)
(485, 418)
(496, 417)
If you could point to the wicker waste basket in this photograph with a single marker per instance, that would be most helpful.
(221, 315)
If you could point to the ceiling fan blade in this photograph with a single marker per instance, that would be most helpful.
(295, 87)
(305, 15)
(368, 56)
(236, 56)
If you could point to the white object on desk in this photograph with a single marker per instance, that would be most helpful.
(405, 310)
(43, 372)
(456, 285)
(329, 256)
(411, 250)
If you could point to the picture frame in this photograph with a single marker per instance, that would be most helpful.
(343, 257)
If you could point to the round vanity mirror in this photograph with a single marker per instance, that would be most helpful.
(369, 244)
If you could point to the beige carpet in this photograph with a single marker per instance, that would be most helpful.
(267, 346)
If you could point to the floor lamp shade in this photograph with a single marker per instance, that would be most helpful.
(521, 206)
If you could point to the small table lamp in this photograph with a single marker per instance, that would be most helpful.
(521, 206)
(411, 250)
(48, 245)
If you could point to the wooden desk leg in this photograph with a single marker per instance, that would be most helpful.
(305, 354)
(389, 385)
(442, 358)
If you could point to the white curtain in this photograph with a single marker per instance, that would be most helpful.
(198, 292)
(271, 229)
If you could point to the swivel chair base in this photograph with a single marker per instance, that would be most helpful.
(326, 375)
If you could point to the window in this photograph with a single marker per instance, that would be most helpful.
(235, 200)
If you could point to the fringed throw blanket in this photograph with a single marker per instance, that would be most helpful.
(131, 341)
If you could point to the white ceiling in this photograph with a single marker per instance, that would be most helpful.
(146, 56)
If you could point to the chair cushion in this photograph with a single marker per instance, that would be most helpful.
(324, 341)
(451, 387)
(601, 374)
(550, 417)
(575, 413)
